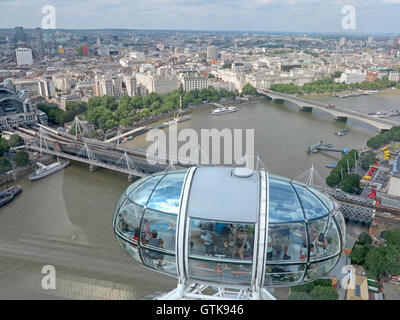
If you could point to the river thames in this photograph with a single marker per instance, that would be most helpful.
(65, 220)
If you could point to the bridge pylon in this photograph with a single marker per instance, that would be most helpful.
(80, 128)
(126, 160)
(309, 177)
(42, 140)
(86, 152)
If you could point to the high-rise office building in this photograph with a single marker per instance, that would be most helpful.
(20, 35)
(106, 87)
(212, 53)
(24, 56)
(117, 86)
(40, 44)
(131, 85)
(96, 87)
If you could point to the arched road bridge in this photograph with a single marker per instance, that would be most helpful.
(339, 113)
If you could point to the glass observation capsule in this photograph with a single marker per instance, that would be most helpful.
(232, 226)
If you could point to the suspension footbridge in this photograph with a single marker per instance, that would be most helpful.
(95, 153)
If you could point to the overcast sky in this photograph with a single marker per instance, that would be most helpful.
(372, 16)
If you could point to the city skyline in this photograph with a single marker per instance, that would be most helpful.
(372, 16)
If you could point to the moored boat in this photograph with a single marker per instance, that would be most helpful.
(170, 122)
(184, 118)
(159, 126)
(43, 171)
(233, 109)
(222, 110)
(333, 165)
(9, 194)
(342, 132)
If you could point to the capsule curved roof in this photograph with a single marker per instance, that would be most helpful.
(218, 194)
(159, 192)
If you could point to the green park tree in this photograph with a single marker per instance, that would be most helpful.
(383, 259)
(337, 74)
(333, 179)
(364, 239)
(324, 293)
(392, 237)
(15, 141)
(358, 254)
(4, 146)
(367, 158)
(351, 183)
(5, 165)
(21, 158)
(76, 107)
(299, 295)
(248, 89)
(127, 109)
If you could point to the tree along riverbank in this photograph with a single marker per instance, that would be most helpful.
(188, 110)
(328, 85)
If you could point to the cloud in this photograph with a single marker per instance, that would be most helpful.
(261, 15)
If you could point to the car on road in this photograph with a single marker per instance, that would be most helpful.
(331, 106)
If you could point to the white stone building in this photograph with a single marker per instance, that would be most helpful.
(394, 76)
(67, 98)
(353, 76)
(193, 81)
(157, 83)
(24, 56)
(47, 88)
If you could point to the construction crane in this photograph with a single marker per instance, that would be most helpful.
(392, 52)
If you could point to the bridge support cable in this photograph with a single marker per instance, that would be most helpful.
(127, 161)
(118, 134)
(80, 127)
(308, 177)
(85, 152)
(42, 141)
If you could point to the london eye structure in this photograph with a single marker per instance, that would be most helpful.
(229, 233)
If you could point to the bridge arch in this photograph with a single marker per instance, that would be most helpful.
(380, 125)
